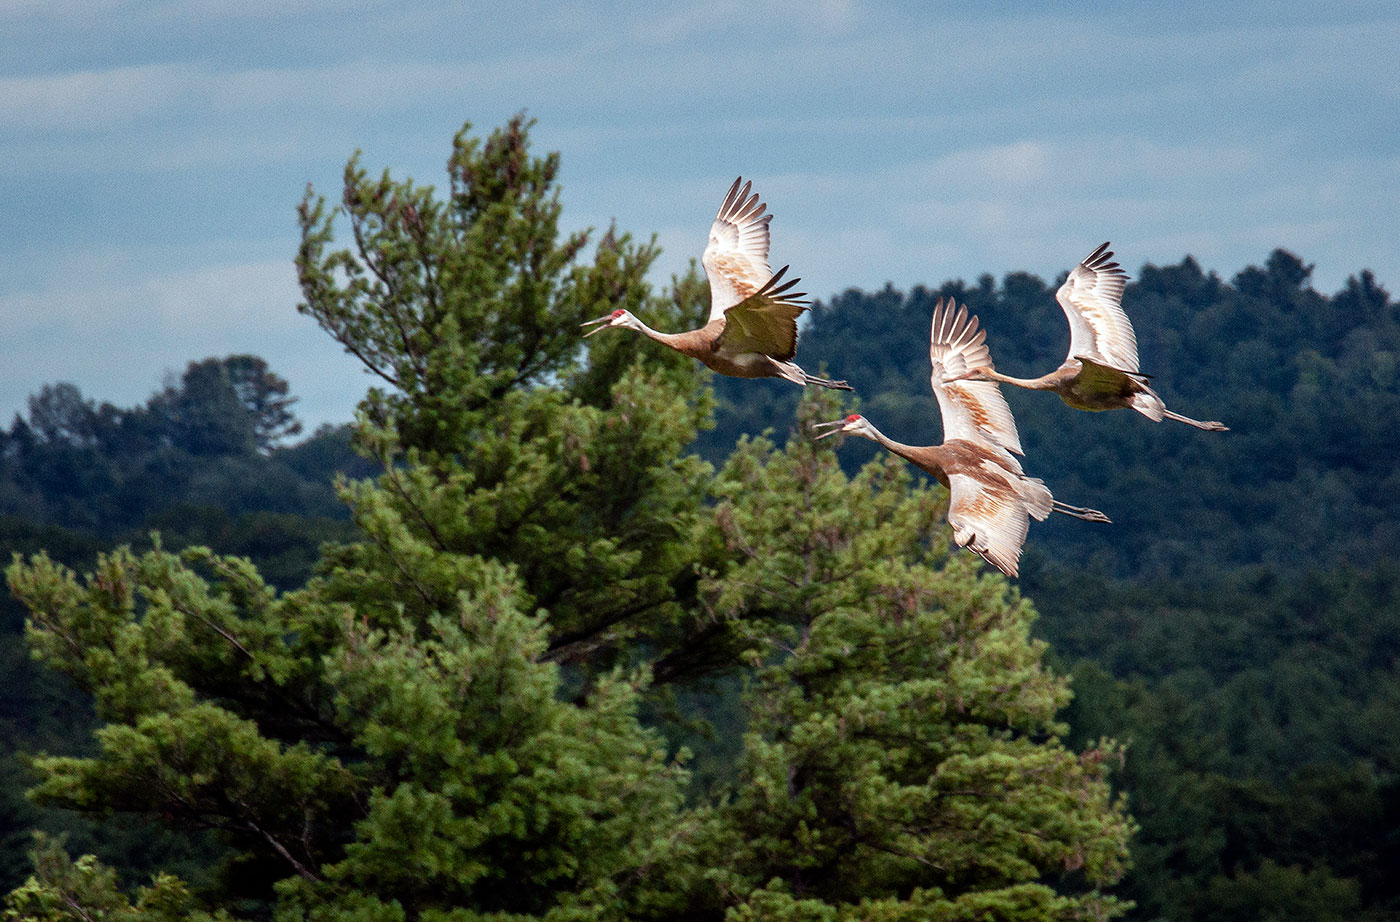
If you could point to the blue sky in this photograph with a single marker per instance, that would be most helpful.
(154, 152)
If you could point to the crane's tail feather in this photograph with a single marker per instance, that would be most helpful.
(1079, 512)
(1209, 425)
(827, 382)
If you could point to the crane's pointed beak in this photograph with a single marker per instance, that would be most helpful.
(839, 422)
(589, 323)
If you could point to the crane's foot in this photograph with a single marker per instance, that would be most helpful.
(1208, 425)
(827, 382)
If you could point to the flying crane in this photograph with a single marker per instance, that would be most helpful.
(990, 499)
(752, 329)
(1101, 370)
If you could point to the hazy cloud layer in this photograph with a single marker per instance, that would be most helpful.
(155, 151)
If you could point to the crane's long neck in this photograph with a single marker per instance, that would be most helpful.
(695, 343)
(921, 456)
(1043, 383)
(666, 338)
(898, 448)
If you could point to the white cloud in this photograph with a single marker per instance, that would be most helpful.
(90, 100)
(189, 304)
(116, 342)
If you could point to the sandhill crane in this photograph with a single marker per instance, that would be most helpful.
(752, 330)
(1101, 370)
(989, 497)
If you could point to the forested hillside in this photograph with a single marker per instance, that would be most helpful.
(208, 459)
(554, 664)
(1246, 598)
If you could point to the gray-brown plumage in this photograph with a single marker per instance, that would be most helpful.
(752, 330)
(990, 499)
(1101, 370)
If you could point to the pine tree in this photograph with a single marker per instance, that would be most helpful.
(902, 759)
(468, 310)
(402, 735)
(448, 722)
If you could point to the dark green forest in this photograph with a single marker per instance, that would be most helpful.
(564, 630)
(1239, 625)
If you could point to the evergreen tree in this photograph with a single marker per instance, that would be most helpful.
(264, 396)
(902, 757)
(393, 738)
(60, 414)
(64, 890)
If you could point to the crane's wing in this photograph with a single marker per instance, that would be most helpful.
(1099, 382)
(972, 410)
(736, 258)
(1092, 298)
(765, 321)
(991, 521)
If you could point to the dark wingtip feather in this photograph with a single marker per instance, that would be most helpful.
(783, 292)
(1101, 260)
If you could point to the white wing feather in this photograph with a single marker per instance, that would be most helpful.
(993, 526)
(993, 520)
(736, 258)
(1092, 298)
(972, 410)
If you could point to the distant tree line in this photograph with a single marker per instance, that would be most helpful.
(74, 463)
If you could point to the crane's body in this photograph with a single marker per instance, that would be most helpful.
(990, 498)
(1085, 384)
(701, 345)
(993, 469)
(1101, 370)
(752, 328)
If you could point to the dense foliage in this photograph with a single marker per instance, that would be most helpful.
(487, 701)
(204, 461)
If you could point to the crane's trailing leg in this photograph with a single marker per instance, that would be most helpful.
(827, 382)
(1209, 425)
(1079, 512)
(791, 372)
